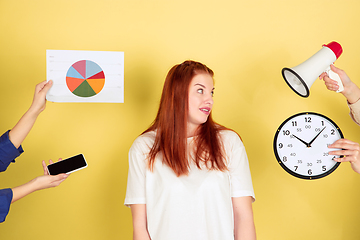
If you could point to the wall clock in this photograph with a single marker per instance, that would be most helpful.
(301, 145)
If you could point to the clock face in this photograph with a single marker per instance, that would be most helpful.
(301, 145)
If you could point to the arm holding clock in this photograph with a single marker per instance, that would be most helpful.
(350, 151)
(351, 91)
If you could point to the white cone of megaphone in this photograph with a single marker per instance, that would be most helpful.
(301, 77)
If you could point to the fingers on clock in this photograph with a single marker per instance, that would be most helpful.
(344, 143)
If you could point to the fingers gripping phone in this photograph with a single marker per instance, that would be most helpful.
(68, 165)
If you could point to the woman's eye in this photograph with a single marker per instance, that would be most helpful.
(200, 90)
(212, 93)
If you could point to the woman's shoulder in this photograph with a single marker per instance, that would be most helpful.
(144, 141)
(231, 139)
(147, 135)
(229, 134)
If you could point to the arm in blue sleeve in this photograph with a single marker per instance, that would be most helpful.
(8, 152)
(6, 196)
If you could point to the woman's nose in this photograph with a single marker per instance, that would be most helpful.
(209, 99)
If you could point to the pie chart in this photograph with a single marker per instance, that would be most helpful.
(85, 78)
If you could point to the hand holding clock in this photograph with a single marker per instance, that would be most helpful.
(350, 150)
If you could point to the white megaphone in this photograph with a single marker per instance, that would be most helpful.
(301, 77)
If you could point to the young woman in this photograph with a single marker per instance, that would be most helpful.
(189, 177)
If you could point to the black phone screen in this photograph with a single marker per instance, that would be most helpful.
(67, 165)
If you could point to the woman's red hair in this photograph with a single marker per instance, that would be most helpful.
(171, 125)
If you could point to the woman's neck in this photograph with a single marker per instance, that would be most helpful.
(191, 131)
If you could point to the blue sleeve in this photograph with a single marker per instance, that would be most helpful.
(6, 196)
(8, 152)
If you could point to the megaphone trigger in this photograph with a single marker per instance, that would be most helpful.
(336, 77)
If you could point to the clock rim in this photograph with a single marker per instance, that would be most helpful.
(289, 170)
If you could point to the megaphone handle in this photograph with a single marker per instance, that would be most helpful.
(336, 77)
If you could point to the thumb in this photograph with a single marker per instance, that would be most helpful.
(57, 179)
(335, 69)
(61, 176)
(47, 86)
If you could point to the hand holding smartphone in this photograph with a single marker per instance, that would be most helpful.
(68, 165)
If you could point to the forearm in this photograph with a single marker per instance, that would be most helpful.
(356, 166)
(23, 190)
(41, 182)
(23, 127)
(19, 132)
(245, 229)
(352, 93)
(141, 235)
(140, 231)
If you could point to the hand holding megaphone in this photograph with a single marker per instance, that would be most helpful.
(336, 77)
(351, 91)
(333, 80)
(301, 77)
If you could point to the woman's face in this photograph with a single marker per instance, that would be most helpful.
(200, 101)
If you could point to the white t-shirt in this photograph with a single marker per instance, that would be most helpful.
(197, 206)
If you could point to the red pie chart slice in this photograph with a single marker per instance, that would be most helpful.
(99, 75)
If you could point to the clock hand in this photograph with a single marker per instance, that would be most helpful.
(307, 145)
(315, 137)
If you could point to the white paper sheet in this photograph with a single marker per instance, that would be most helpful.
(85, 76)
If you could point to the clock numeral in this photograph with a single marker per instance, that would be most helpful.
(317, 129)
(286, 132)
(308, 119)
(296, 168)
(284, 159)
(309, 164)
(322, 123)
(325, 154)
(326, 136)
(332, 131)
(281, 145)
(324, 168)
(290, 145)
(293, 154)
(318, 161)
(299, 161)
(307, 126)
(294, 123)
(299, 130)
(310, 172)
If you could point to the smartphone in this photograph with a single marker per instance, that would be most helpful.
(68, 165)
